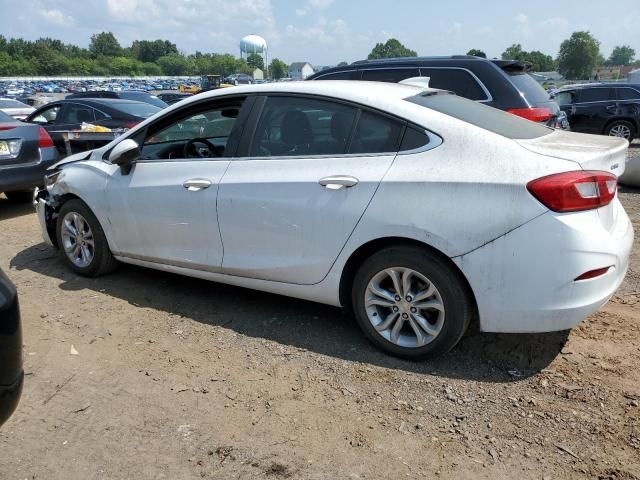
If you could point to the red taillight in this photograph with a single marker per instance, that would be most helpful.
(535, 114)
(575, 191)
(44, 140)
(592, 274)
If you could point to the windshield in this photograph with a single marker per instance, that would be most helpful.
(10, 103)
(137, 109)
(489, 118)
(531, 90)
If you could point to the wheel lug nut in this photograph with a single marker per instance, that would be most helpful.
(405, 316)
(409, 298)
(398, 298)
(414, 309)
(395, 309)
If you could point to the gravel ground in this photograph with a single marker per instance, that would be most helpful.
(178, 378)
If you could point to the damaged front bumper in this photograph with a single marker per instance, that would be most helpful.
(44, 209)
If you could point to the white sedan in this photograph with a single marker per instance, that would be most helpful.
(418, 210)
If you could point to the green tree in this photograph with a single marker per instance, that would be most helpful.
(278, 69)
(104, 44)
(175, 65)
(578, 56)
(621, 55)
(152, 50)
(477, 53)
(343, 64)
(255, 61)
(539, 61)
(391, 49)
(514, 52)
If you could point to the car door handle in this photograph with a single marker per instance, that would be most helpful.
(337, 182)
(196, 184)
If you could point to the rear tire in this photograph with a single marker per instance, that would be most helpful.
(431, 303)
(82, 242)
(21, 196)
(622, 129)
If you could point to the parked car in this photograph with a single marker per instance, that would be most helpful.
(65, 115)
(173, 97)
(15, 108)
(26, 151)
(503, 84)
(138, 96)
(417, 208)
(605, 108)
(239, 79)
(11, 373)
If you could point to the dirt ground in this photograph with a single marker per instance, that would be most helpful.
(176, 378)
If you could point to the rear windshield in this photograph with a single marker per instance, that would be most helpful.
(489, 118)
(531, 90)
(138, 109)
(144, 97)
(10, 103)
(5, 118)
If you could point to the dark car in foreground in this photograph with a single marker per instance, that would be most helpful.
(26, 151)
(602, 108)
(65, 115)
(503, 84)
(137, 95)
(11, 373)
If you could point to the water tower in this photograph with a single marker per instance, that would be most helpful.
(254, 44)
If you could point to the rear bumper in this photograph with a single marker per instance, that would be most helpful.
(525, 281)
(10, 397)
(23, 177)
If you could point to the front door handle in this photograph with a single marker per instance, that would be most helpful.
(338, 182)
(196, 184)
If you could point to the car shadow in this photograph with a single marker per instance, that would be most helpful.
(305, 325)
(9, 209)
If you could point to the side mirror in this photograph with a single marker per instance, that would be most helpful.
(125, 152)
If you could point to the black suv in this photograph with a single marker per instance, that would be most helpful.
(11, 373)
(602, 108)
(503, 84)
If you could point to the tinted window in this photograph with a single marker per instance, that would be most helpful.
(458, 81)
(491, 119)
(391, 75)
(628, 94)
(144, 97)
(530, 90)
(413, 139)
(376, 134)
(594, 95)
(564, 98)
(292, 126)
(75, 113)
(337, 76)
(137, 109)
(212, 127)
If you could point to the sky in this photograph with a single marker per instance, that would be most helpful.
(325, 32)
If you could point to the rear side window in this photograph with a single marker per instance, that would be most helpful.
(628, 94)
(293, 126)
(530, 90)
(137, 109)
(564, 98)
(595, 95)
(376, 134)
(491, 119)
(76, 113)
(455, 80)
(390, 75)
(413, 139)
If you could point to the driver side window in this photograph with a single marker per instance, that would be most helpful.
(201, 133)
(48, 115)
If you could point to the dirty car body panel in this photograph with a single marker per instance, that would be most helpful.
(462, 193)
(11, 373)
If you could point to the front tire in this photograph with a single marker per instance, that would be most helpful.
(622, 129)
(411, 303)
(82, 242)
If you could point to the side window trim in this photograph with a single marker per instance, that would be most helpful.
(434, 140)
(473, 75)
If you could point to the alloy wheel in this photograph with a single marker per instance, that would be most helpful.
(77, 239)
(621, 131)
(404, 307)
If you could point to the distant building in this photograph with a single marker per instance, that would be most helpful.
(258, 74)
(634, 76)
(300, 70)
(612, 73)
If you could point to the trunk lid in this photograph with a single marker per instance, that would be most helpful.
(590, 152)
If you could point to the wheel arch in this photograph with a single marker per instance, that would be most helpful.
(635, 123)
(363, 252)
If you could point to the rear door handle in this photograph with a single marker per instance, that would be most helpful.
(338, 182)
(196, 184)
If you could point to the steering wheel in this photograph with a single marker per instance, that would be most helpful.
(189, 150)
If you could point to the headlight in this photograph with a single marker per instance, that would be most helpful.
(52, 178)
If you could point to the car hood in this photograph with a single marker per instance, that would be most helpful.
(76, 157)
(591, 152)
